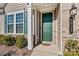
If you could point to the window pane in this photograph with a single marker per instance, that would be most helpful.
(19, 28)
(10, 28)
(19, 17)
(10, 18)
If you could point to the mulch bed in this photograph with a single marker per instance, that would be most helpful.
(13, 51)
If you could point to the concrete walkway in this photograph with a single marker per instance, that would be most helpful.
(42, 50)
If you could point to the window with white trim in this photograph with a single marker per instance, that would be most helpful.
(10, 23)
(15, 22)
(19, 23)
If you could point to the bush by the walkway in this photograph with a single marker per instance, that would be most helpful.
(7, 40)
(19, 40)
(71, 48)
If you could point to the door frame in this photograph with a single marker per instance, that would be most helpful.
(52, 27)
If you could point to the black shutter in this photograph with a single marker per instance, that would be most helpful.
(71, 25)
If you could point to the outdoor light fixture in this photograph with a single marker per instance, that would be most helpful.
(72, 22)
(73, 10)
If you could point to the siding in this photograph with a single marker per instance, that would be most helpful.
(1, 24)
(59, 27)
(11, 7)
(65, 21)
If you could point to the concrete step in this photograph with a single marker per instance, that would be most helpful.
(42, 50)
(43, 53)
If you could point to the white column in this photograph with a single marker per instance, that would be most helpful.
(30, 39)
(36, 26)
(14, 23)
(61, 29)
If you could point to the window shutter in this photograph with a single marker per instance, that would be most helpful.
(71, 25)
(5, 24)
(25, 22)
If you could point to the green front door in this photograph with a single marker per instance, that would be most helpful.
(47, 26)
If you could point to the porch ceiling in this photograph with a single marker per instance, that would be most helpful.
(44, 6)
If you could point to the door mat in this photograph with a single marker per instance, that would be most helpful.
(45, 44)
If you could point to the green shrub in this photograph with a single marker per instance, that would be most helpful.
(2, 37)
(71, 53)
(10, 40)
(71, 48)
(7, 40)
(71, 45)
(21, 41)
